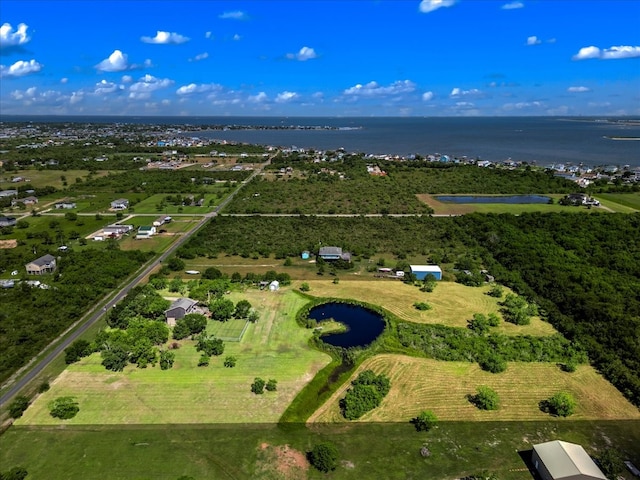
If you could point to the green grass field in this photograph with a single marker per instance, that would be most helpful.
(441, 208)
(387, 451)
(452, 303)
(231, 330)
(274, 347)
(424, 384)
(620, 202)
(150, 204)
(42, 178)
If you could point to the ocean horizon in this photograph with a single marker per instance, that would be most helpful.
(591, 141)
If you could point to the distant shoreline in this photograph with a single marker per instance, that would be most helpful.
(622, 138)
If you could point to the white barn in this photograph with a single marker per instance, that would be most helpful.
(558, 460)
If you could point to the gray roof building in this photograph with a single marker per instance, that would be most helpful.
(44, 264)
(558, 460)
(179, 309)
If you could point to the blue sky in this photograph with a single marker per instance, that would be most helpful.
(327, 58)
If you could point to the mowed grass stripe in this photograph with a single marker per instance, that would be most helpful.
(452, 303)
(424, 384)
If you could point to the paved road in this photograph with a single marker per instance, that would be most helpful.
(36, 368)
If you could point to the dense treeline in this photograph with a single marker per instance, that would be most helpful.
(32, 317)
(289, 236)
(157, 181)
(346, 187)
(457, 344)
(583, 271)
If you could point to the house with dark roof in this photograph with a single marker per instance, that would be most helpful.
(42, 265)
(7, 221)
(179, 309)
(558, 460)
(334, 253)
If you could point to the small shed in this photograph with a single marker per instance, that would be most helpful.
(558, 460)
(421, 271)
(275, 285)
(179, 309)
(306, 254)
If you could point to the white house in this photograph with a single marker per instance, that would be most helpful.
(120, 204)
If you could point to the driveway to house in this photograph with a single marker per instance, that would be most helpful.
(20, 379)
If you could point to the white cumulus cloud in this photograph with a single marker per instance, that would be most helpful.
(286, 97)
(236, 37)
(578, 89)
(11, 38)
(533, 40)
(235, 15)
(428, 6)
(103, 87)
(116, 62)
(200, 56)
(426, 96)
(305, 53)
(165, 38)
(20, 68)
(372, 89)
(512, 5)
(613, 53)
(142, 89)
(458, 92)
(258, 98)
(198, 88)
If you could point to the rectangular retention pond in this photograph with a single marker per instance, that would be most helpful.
(513, 199)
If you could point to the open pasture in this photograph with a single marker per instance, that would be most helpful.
(452, 303)
(419, 384)
(274, 347)
(43, 178)
(620, 202)
(234, 451)
(442, 208)
(154, 203)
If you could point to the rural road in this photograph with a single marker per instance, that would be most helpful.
(21, 379)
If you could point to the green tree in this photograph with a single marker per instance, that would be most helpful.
(204, 360)
(485, 398)
(166, 359)
(176, 264)
(253, 316)
(221, 309)
(493, 363)
(18, 406)
(78, 349)
(64, 408)
(324, 456)
(243, 307)
(304, 287)
(479, 324)
(272, 385)
(209, 344)
(562, 404)
(425, 421)
(496, 291)
(212, 273)
(230, 361)
(257, 386)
